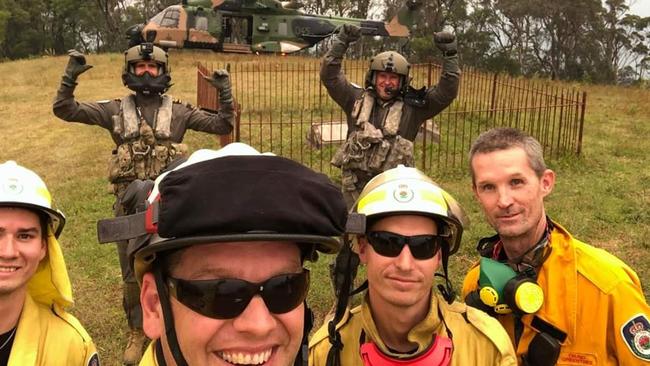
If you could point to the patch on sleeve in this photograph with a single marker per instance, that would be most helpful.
(636, 334)
(93, 360)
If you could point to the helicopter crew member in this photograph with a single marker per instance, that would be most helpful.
(406, 227)
(561, 301)
(384, 118)
(228, 287)
(35, 328)
(147, 128)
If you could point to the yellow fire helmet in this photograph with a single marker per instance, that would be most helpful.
(21, 187)
(405, 190)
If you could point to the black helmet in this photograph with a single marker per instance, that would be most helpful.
(146, 83)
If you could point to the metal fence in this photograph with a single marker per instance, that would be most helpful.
(285, 109)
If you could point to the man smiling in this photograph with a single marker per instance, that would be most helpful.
(221, 268)
(35, 289)
(383, 118)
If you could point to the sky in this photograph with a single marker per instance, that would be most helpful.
(640, 7)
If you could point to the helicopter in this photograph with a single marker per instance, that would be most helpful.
(255, 26)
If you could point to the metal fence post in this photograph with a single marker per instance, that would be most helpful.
(494, 95)
(582, 122)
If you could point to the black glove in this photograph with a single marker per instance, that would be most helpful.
(343, 36)
(76, 66)
(348, 33)
(446, 42)
(221, 81)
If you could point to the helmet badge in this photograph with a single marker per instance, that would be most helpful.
(403, 193)
(13, 186)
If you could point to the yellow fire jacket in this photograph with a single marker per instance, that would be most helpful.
(46, 334)
(149, 356)
(477, 338)
(594, 298)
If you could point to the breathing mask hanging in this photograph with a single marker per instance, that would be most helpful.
(502, 290)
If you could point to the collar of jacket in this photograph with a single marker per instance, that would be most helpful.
(27, 342)
(559, 277)
(421, 334)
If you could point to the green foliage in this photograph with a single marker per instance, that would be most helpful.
(585, 40)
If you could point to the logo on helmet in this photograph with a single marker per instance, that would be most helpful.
(13, 186)
(403, 193)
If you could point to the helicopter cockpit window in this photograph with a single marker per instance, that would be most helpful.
(170, 19)
(158, 18)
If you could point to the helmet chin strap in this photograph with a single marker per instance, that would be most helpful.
(447, 290)
(168, 316)
(302, 358)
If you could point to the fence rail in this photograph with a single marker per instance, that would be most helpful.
(283, 108)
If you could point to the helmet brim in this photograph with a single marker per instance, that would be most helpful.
(324, 244)
(57, 219)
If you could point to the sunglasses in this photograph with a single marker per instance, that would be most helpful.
(390, 244)
(227, 298)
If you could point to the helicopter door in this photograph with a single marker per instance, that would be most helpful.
(237, 29)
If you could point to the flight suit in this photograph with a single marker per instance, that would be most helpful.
(477, 338)
(346, 95)
(183, 117)
(593, 298)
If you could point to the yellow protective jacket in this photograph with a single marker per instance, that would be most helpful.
(594, 298)
(149, 356)
(46, 334)
(477, 338)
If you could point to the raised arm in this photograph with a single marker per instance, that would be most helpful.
(338, 87)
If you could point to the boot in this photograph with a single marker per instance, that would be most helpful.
(134, 347)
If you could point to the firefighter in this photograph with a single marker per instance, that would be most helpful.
(35, 291)
(405, 228)
(222, 273)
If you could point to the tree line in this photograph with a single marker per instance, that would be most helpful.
(585, 40)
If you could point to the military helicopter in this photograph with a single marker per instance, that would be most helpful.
(254, 26)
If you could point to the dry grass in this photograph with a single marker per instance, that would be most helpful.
(602, 197)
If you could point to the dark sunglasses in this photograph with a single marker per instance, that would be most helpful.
(227, 298)
(390, 244)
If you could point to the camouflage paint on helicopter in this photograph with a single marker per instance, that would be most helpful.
(255, 26)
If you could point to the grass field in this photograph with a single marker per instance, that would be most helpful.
(602, 197)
